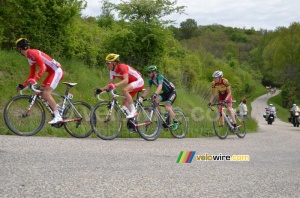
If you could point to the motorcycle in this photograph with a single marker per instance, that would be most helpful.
(294, 119)
(269, 116)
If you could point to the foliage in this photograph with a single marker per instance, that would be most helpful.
(147, 11)
(188, 29)
(277, 57)
(44, 23)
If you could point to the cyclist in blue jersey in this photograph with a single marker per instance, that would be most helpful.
(168, 92)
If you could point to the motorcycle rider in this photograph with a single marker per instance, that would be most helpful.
(294, 108)
(269, 109)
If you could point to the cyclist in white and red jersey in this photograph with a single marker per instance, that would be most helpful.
(47, 64)
(130, 78)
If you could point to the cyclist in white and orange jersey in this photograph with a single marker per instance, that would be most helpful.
(37, 58)
(131, 79)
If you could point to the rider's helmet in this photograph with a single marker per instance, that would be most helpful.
(271, 104)
(217, 74)
(22, 43)
(151, 68)
(112, 57)
(294, 105)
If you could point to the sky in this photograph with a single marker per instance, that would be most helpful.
(257, 14)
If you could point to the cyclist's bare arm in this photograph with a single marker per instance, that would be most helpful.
(106, 87)
(146, 92)
(158, 89)
(213, 90)
(228, 93)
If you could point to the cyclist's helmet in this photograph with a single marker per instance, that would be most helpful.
(294, 105)
(271, 104)
(217, 74)
(112, 57)
(22, 43)
(151, 68)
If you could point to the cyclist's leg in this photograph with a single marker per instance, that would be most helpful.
(49, 84)
(221, 121)
(230, 110)
(170, 99)
(129, 92)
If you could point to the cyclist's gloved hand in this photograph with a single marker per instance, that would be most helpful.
(112, 86)
(31, 81)
(209, 104)
(35, 87)
(154, 96)
(224, 101)
(141, 99)
(20, 87)
(97, 91)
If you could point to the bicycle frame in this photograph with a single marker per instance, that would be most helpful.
(66, 100)
(25, 115)
(114, 101)
(224, 115)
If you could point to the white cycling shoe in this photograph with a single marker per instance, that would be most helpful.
(55, 120)
(131, 115)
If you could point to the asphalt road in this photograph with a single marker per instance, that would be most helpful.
(70, 167)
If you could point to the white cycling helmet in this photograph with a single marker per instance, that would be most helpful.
(217, 74)
(271, 104)
(294, 105)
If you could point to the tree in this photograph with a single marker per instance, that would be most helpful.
(141, 30)
(44, 23)
(106, 18)
(188, 28)
(148, 10)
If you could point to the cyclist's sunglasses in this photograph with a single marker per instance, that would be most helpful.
(108, 63)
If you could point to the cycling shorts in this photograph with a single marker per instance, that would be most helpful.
(53, 78)
(169, 97)
(137, 85)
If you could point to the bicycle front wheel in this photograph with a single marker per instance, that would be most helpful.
(82, 127)
(182, 129)
(241, 131)
(220, 126)
(22, 119)
(148, 122)
(107, 124)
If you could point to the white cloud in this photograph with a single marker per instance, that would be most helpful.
(265, 14)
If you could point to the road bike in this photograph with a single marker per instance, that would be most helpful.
(166, 121)
(106, 118)
(25, 115)
(223, 123)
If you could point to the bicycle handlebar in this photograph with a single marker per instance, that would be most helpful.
(32, 88)
(108, 91)
(217, 104)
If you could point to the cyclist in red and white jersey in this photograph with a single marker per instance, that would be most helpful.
(47, 64)
(130, 78)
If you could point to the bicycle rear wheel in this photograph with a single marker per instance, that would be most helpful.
(20, 119)
(241, 131)
(149, 123)
(106, 124)
(182, 129)
(81, 128)
(220, 126)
